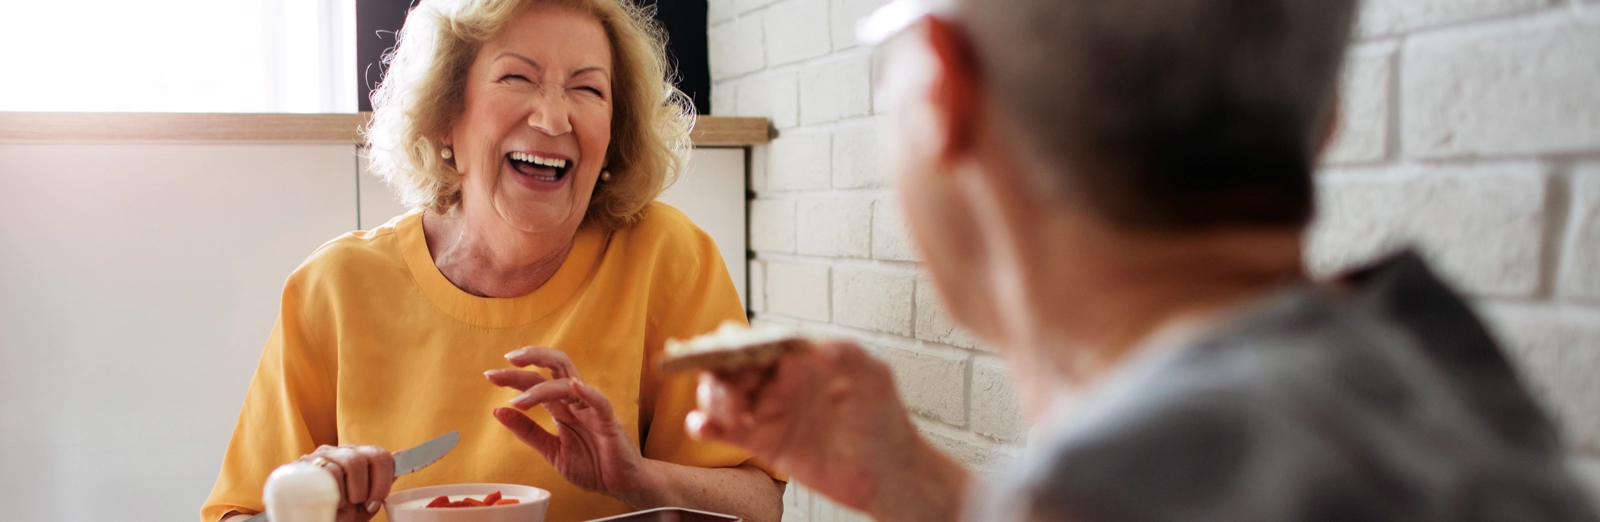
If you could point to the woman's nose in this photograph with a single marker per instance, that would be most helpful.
(549, 114)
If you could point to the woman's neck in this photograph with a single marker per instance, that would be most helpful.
(489, 259)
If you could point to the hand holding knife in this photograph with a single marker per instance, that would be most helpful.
(294, 487)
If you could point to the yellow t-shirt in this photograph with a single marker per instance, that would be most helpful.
(374, 346)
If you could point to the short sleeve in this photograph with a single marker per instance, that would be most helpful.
(694, 295)
(288, 412)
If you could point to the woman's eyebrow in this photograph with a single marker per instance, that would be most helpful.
(540, 68)
(525, 59)
(592, 69)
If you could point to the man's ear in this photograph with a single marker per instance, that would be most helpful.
(957, 87)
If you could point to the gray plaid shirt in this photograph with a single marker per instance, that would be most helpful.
(1387, 402)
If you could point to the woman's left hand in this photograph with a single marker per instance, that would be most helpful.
(590, 448)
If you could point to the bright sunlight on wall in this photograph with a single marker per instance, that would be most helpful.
(178, 55)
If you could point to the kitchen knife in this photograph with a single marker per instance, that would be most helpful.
(408, 461)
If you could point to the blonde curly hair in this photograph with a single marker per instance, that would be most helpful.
(424, 91)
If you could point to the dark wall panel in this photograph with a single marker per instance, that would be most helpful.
(685, 21)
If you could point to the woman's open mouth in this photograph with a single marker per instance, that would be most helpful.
(539, 167)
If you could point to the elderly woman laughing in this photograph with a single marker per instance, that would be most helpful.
(531, 138)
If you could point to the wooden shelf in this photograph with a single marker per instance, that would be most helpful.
(709, 131)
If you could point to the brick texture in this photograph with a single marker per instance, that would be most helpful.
(1480, 225)
(934, 324)
(1558, 351)
(995, 411)
(984, 457)
(774, 96)
(723, 47)
(1470, 129)
(835, 90)
(1527, 87)
(1383, 17)
(831, 227)
(798, 290)
(873, 299)
(846, 13)
(932, 384)
(758, 286)
(890, 239)
(772, 225)
(1580, 270)
(797, 30)
(800, 162)
(855, 158)
(1363, 134)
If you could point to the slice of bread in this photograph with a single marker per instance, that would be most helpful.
(731, 347)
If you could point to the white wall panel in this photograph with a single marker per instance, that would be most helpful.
(137, 286)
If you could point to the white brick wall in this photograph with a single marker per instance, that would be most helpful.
(932, 382)
(1384, 17)
(1470, 128)
(873, 299)
(1482, 223)
(1580, 267)
(835, 90)
(832, 226)
(1527, 86)
(1558, 349)
(798, 290)
(1363, 134)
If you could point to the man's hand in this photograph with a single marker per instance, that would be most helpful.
(830, 416)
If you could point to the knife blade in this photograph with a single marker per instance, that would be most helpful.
(407, 461)
(424, 454)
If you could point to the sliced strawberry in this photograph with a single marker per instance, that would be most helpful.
(442, 501)
(491, 499)
(472, 502)
(507, 502)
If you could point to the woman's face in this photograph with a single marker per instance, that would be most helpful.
(532, 139)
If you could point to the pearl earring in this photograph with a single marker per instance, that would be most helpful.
(605, 175)
(446, 153)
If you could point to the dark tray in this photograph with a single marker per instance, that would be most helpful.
(670, 515)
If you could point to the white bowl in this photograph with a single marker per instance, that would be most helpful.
(534, 503)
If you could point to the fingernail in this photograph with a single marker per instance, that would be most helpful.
(372, 507)
(490, 374)
(513, 353)
(517, 401)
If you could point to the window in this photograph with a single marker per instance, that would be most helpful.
(178, 56)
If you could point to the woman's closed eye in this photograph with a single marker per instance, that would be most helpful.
(592, 90)
(514, 77)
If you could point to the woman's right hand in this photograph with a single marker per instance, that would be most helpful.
(364, 475)
(831, 417)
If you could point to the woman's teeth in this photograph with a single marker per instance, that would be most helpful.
(534, 166)
(539, 160)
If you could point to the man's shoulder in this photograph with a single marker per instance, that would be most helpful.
(1307, 405)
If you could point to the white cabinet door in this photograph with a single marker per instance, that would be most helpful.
(137, 287)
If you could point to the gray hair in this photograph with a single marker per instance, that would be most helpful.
(1168, 114)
